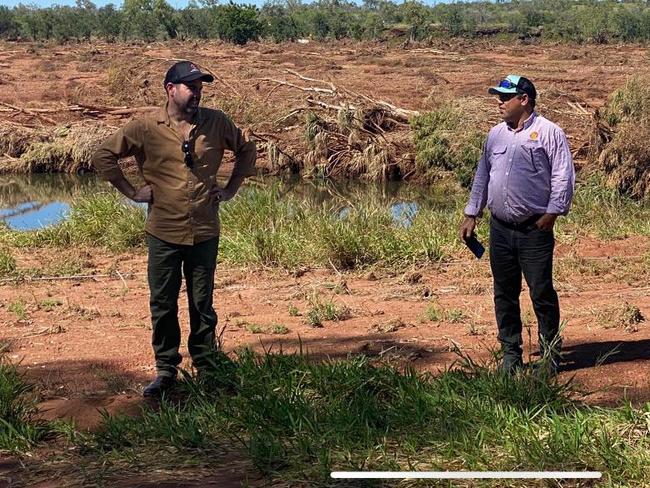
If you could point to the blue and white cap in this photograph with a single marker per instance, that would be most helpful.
(512, 84)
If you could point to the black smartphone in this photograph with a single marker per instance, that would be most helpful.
(475, 246)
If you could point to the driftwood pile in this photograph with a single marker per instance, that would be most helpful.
(33, 141)
(348, 134)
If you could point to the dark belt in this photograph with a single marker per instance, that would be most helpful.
(525, 225)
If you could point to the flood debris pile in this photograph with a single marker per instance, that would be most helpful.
(345, 133)
(622, 138)
(60, 149)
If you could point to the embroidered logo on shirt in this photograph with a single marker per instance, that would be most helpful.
(534, 136)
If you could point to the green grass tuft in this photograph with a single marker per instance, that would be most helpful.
(7, 263)
(19, 431)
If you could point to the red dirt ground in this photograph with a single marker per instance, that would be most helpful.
(86, 342)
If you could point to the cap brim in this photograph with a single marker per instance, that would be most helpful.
(496, 90)
(197, 76)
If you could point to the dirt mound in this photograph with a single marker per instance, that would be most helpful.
(87, 412)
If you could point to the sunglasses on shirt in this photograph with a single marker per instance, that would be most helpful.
(188, 154)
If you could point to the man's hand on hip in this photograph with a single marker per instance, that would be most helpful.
(144, 194)
(546, 222)
(221, 194)
(467, 227)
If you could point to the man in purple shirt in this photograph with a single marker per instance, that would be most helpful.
(526, 178)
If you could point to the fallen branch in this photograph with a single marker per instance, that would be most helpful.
(29, 112)
(84, 109)
(402, 112)
(71, 277)
(295, 73)
(294, 111)
(265, 138)
(313, 89)
(311, 101)
(579, 108)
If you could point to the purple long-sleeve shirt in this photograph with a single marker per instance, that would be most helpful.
(523, 173)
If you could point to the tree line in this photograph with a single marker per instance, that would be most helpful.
(595, 21)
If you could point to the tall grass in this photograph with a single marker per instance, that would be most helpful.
(263, 226)
(275, 225)
(104, 220)
(300, 419)
(604, 213)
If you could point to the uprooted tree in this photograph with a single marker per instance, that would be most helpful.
(348, 134)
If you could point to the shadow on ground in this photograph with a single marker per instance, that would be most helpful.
(592, 354)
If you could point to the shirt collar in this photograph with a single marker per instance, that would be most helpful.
(163, 116)
(527, 123)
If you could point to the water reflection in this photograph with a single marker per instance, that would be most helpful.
(35, 201)
(34, 215)
(43, 188)
(404, 212)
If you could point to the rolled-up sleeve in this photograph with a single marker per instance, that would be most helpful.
(562, 175)
(244, 150)
(128, 141)
(479, 194)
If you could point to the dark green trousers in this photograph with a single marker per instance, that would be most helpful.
(166, 265)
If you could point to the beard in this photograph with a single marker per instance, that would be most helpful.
(191, 106)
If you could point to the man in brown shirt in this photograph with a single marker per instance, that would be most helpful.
(178, 152)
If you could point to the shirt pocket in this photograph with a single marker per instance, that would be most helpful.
(498, 156)
(535, 155)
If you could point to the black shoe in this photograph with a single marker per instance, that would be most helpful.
(158, 386)
(511, 364)
(547, 367)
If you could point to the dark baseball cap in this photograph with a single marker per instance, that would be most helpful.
(514, 84)
(186, 71)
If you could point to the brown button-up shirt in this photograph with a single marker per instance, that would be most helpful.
(182, 211)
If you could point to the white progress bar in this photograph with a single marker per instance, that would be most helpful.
(466, 475)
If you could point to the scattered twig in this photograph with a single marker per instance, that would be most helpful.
(578, 108)
(295, 73)
(314, 89)
(31, 112)
(122, 278)
(70, 277)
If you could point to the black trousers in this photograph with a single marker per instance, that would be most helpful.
(166, 265)
(526, 250)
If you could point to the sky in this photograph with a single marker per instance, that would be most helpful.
(100, 3)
